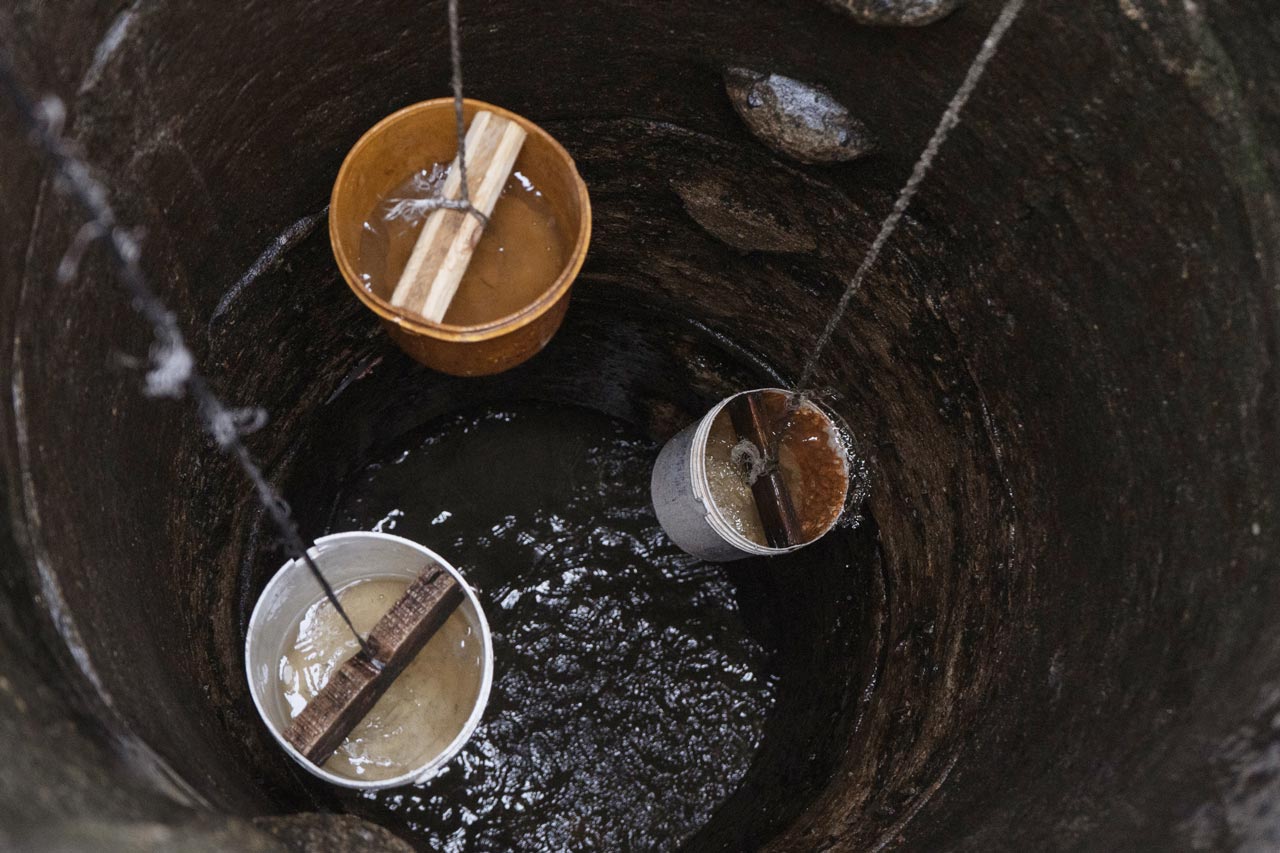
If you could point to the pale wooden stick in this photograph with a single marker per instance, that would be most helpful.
(448, 239)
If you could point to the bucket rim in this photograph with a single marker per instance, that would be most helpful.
(438, 763)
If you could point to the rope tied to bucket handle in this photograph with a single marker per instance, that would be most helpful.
(455, 59)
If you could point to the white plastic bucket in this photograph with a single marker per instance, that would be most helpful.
(344, 558)
(682, 501)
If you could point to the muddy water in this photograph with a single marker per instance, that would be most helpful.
(630, 692)
(520, 254)
(812, 459)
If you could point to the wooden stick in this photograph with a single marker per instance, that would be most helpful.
(360, 682)
(449, 237)
(773, 498)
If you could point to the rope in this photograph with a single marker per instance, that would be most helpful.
(419, 207)
(172, 371)
(455, 58)
(950, 118)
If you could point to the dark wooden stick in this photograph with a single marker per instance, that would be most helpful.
(773, 498)
(360, 682)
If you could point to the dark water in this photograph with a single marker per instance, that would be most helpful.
(629, 696)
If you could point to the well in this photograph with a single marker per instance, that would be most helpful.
(1055, 625)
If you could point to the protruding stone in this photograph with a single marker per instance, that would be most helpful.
(801, 120)
(331, 833)
(742, 216)
(896, 13)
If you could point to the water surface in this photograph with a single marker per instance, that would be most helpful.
(629, 696)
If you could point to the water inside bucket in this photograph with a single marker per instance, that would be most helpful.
(422, 711)
(811, 456)
(521, 252)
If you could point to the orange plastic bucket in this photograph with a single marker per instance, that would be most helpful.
(411, 139)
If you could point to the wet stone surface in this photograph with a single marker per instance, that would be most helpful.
(802, 120)
(331, 833)
(742, 216)
(896, 13)
(629, 694)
